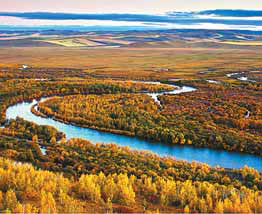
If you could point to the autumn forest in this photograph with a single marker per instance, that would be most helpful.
(202, 103)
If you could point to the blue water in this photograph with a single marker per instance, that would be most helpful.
(210, 156)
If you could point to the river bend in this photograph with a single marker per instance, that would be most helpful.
(205, 155)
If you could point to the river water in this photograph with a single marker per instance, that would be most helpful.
(204, 155)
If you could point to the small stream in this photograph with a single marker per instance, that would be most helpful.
(241, 76)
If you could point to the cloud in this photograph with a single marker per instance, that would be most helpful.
(233, 13)
(212, 19)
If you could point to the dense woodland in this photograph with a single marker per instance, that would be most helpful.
(92, 175)
(14, 91)
(23, 129)
(78, 176)
(42, 74)
(217, 116)
(77, 157)
(52, 193)
(110, 178)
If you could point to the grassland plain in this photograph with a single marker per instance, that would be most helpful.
(251, 43)
(138, 63)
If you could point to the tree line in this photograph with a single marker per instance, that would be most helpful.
(213, 116)
(23, 189)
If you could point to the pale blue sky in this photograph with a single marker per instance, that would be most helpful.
(125, 6)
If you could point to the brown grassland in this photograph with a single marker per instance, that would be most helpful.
(138, 63)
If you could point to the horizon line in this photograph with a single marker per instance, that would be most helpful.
(145, 13)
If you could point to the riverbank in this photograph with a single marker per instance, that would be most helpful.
(210, 156)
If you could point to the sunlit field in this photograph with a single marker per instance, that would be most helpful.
(139, 63)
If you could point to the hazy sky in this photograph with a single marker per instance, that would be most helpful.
(125, 6)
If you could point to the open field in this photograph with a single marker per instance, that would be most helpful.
(66, 43)
(138, 63)
(74, 42)
(249, 43)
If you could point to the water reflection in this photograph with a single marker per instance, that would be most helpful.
(204, 155)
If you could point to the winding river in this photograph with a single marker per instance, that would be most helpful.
(204, 155)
